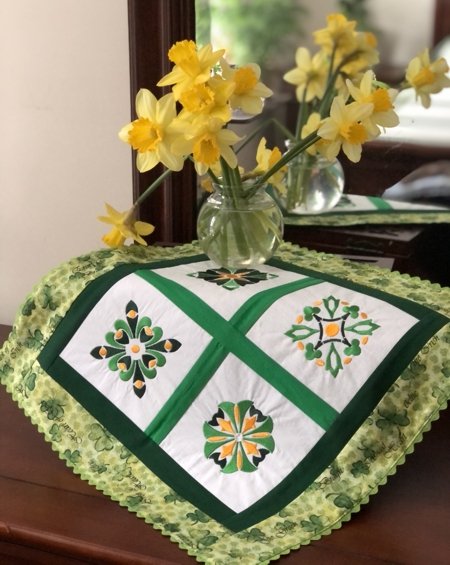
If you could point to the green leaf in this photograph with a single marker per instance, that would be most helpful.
(333, 361)
(6, 370)
(331, 304)
(28, 307)
(309, 312)
(354, 348)
(46, 298)
(359, 468)
(207, 541)
(55, 433)
(299, 332)
(34, 341)
(343, 501)
(198, 516)
(311, 353)
(102, 438)
(173, 498)
(366, 327)
(74, 457)
(352, 310)
(172, 528)
(53, 408)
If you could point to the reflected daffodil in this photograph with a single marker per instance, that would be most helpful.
(266, 159)
(310, 74)
(427, 78)
(344, 128)
(382, 99)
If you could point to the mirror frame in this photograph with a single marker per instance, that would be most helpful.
(154, 26)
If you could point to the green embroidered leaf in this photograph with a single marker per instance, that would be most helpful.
(359, 468)
(333, 361)
(28, 307)
(354, 348)
(352, 310)
(299, 332)
(309, 312)
(34, 341)
(311, 353)
(102, 438)
(331, 304)
(74, 457)
(366, 327)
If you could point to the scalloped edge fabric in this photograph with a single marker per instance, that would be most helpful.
(334, 496)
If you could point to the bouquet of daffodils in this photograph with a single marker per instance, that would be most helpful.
(342, 105)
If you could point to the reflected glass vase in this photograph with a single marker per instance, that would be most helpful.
(240, 227)
(313, 184)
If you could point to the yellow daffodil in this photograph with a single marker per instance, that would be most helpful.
(248, 93)
(266, 159)
(207, 140)
(382, 99)
(310, 74)
(206, 183)
(364, 55)
(313, 124)
(339, 34)
(151, 134)
(344, 128)
(125, 226)
(427, 78)
(208, 98)
(191, 66)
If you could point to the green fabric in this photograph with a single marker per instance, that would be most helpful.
(380, 204)
(372, 454)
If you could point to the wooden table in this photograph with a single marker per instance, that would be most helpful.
(49, 516)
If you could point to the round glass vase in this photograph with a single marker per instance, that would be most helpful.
(240, 227)
(313, 184)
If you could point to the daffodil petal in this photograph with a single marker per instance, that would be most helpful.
(146, 104)
(146, 161)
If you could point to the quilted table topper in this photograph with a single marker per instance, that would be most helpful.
(236, 387)
(243, 412)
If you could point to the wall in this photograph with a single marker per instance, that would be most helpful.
(64, 96)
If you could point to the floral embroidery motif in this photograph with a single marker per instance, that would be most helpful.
(238, 437)
(331, 342)
(233, 278)
(135, 349)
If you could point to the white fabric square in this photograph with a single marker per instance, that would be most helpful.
(270, 329)
(163, 313)
(234, 382)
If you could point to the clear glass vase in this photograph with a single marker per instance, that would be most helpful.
(313, 184)
(240, 227)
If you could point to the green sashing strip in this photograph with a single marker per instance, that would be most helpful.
(379, 203)
(229, 336)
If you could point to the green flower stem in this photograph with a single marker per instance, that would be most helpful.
(302, 115)
(288, 156)
(153, 186)
(298, 180)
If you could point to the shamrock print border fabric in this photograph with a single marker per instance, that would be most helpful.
(188, 410)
